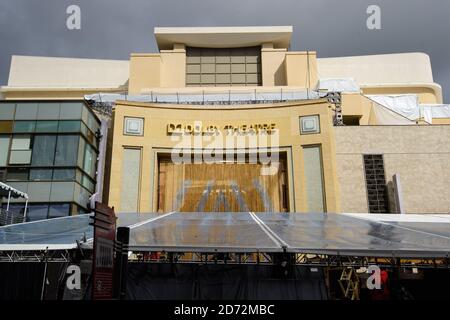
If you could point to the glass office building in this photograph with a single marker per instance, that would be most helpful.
(49, 150)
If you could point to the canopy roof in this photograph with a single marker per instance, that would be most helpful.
(319, 233)
(52, 234)
(5, 190)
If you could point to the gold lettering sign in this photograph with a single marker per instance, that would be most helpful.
(199, 129)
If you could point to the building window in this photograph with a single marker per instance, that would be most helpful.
(309, 124)
(24, 126)
(4, 147)
(41, 174)
(375, 183)
(313, 171)
(20, 150)
(134, 126)
(17, 174)
(66, 151)
(223, 67)
(43, 150)
(7, 111)
(131, 172)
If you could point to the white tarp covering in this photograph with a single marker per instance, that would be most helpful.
(381, 115)
(407, 105)
(434, 111)
(339, 85)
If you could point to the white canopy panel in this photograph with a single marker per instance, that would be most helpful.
(316, 233)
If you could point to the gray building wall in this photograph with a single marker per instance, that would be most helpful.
(420, 154)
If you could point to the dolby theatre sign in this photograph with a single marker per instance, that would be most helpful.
(197, 128)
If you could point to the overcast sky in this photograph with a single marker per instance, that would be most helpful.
(111, 29)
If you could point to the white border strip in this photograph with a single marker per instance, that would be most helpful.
(272, 235)
(150, 220)
(396, 226)
(409, 217)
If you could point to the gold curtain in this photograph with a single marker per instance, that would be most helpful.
(221, 187)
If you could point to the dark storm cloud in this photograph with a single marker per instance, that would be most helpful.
(111, 29)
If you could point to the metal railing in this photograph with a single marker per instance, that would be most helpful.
(10, 217)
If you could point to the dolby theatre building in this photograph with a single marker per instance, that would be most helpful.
(229, 119)
(236, 169)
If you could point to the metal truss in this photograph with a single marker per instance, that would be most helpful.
(301, 259)
(386, 262)
(205, 258)
(35, 256)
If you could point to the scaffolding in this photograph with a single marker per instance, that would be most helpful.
(6, 215)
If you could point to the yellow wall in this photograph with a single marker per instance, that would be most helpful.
(145, 72)
(285, 116)
(301, 69)
(272, 64)
(150, 72)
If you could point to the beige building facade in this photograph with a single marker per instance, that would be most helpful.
(229, 119)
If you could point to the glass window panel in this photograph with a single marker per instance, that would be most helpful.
(64, 174)
(20, 157)
(89, 161)
(208, 68)
(312, 158)
(78, 176)
(87, 183)
(39, 191)
(66, 151)
(223, 61)
(238, 59)
(252, 78)
(193, 55)
(192, 60)
(84, 115)
(238, 78)
(208, 78)
(7, 111)
(193, 78)
(4, 150)
(81, 148)
(71, 110)
(6, 126)
(59, 210)
(41, 174)
(92, 122)
(26, 111)
(252, 68)
(46, 126)
(62, 191)
(48, 111)
(81, 195)
(223, 78)
(69, 126)
(17, 174)
(43, 150)
(223, 68)
(37, 212)
(208, 59)
(223, 56)
(193, 68)
(84, 129)
(130, 181)
(24, 126)
(238, 68)
(21, 142)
